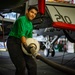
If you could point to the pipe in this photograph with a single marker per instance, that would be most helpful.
(59, 67)
(41, 6)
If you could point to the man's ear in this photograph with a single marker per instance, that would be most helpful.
(26, 11)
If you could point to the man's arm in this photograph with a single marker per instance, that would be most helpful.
(23, 40)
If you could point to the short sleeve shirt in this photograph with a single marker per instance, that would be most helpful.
(22, 27)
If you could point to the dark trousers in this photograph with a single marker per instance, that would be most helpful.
(19, 59)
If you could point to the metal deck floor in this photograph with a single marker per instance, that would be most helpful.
(7, 67)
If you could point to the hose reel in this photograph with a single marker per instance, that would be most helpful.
(31, 43)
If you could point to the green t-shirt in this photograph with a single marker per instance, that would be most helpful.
(22, 27)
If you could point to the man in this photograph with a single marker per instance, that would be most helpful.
(22, 30)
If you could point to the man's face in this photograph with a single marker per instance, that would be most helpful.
(31, 14)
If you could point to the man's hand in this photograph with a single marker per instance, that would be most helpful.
(25, 46)
(23, 40)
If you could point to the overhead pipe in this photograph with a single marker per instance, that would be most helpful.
(41, 6)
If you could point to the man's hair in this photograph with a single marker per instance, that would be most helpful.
(32, 7)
